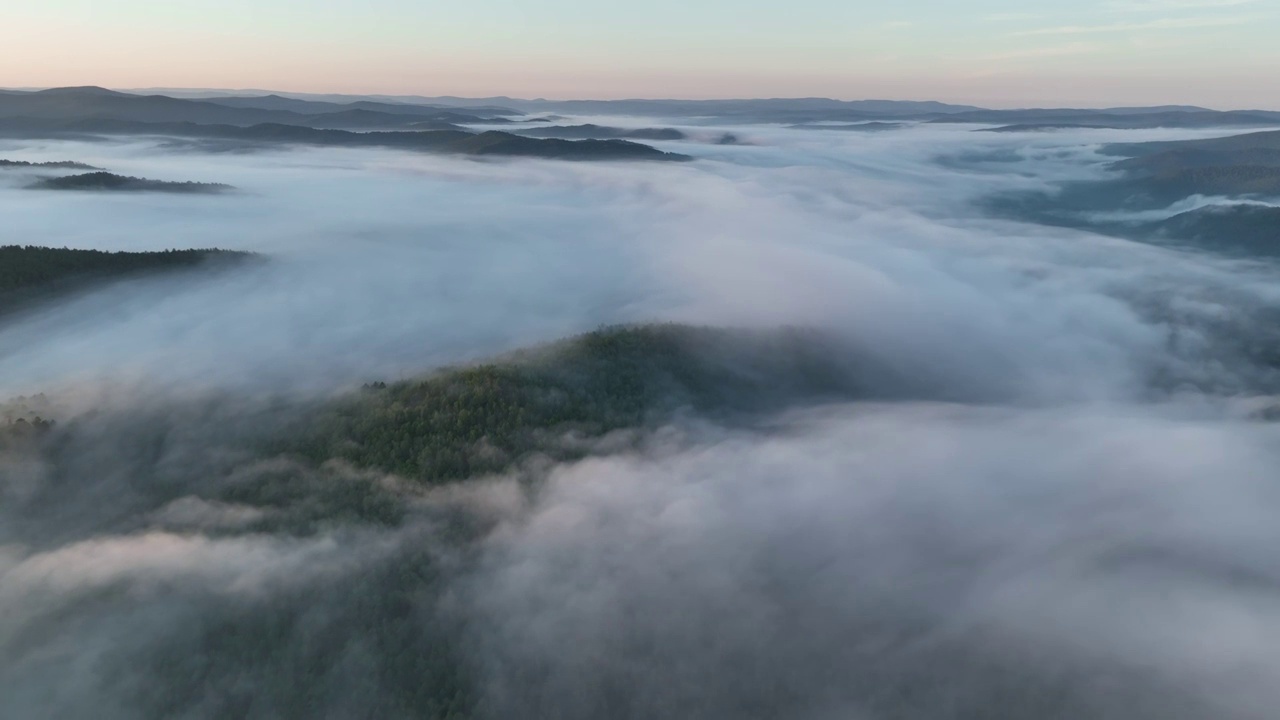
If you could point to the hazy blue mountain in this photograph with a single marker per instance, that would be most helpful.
(1048, 119)
(1157, 175)
(1246, 230)
(444, 141)
(599, 132)
(55, 165)
(99, 103)
(1246, 142)
(304, 108)
(873, 126)
(320, 107)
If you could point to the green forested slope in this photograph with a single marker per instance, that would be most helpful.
(557, 399)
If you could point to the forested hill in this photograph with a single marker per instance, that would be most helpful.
(264, 476)
(456, 142)
(105, 181)
(58, 165)
(29, 272)
(560, 400)
(600, 393)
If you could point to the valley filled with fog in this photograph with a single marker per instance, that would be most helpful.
(1026, 468)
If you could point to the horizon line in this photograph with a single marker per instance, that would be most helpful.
(267, 91)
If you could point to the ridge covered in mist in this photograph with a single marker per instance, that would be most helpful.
(29, 274)
(854, 415)
(120, 183)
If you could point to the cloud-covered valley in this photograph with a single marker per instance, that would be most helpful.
(1061, 508)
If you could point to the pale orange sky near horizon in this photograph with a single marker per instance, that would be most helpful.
(1216, 53)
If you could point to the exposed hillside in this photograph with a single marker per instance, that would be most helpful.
(120, 183)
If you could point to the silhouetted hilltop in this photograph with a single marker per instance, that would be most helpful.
(851, 127)
(320, 107)
(1269, 140)
(30, 273)
(599, 132)
(121, 183)
(1157, 175)
(61, 104)
(502, 143)
(1236, 165)
(445, 141)
(468, 421)
(1246, 230)
(1125, 118)
(59, 165)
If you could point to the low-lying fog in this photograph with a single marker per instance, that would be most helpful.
(386, 263)
(1093, 536)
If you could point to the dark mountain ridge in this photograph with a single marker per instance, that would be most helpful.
(106, 181)
(600, 132)
(255, 107)
(30, 275)
(443, 141)
(99, 103)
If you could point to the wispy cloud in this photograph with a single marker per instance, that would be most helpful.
(1068, 49)
(1012, 16)
(1162, 24)
(1172, 5)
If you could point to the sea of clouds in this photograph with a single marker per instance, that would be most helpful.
(1076, 519)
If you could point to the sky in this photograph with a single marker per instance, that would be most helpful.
(1000, 53)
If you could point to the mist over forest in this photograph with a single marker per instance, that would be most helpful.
(309, 411)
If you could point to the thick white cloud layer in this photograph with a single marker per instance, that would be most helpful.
(1087, 534)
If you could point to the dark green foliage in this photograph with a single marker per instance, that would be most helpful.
(29, 273)
(23, 432)
(554, 401)
(27, 266)
(108, 181)
(299, 501)
(372, 640)
(502, 143)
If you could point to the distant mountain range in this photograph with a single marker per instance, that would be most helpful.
(441, 124)
(355, 112)
(1238, 175)
(458, 142)
(781, 110)
(102, 104)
